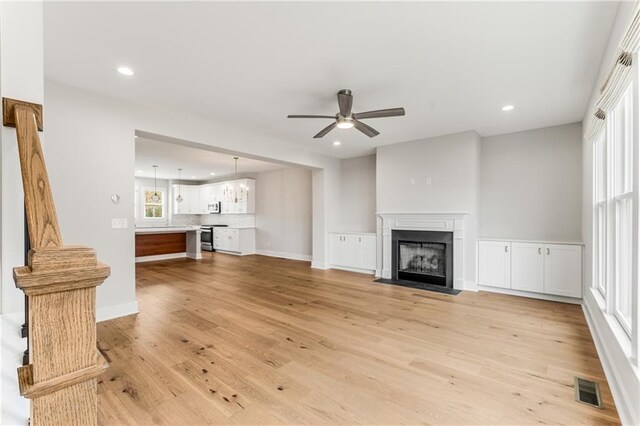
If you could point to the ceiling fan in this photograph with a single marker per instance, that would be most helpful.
(346, 119)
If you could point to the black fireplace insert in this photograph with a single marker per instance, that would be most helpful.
(422, 256)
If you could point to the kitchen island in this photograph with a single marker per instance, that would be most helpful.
(167, 242)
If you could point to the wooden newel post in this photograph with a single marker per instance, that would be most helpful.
(60, 282)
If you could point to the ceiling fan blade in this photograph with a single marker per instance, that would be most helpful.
(345, 101)
(326, 130)
(311, 116)
(379, 113)
(367, 130)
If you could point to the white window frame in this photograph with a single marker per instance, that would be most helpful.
(141, 203)
(612, 263)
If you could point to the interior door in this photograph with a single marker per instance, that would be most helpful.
(563, 270)
(527, 267)
(494, 263)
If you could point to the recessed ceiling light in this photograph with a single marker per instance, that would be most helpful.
(213, 173)
(508, 108)
(193, 177)
(125, 71)
(337, 143)
(140, 171)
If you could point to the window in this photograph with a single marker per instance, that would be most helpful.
(153, 209)
(613, 211)
(600, 216)
(622, 206)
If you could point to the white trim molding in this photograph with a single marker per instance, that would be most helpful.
(443, 222)
(284, 255)
(116, 311)
(161, 257)
(623, 377)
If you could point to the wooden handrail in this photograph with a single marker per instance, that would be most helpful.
(60, 283)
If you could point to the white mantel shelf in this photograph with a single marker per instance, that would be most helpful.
(436, 221)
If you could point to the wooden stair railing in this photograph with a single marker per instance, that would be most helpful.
(60, 283)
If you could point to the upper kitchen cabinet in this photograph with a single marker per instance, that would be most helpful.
(190, 199)
(196, 199)
(239, 197)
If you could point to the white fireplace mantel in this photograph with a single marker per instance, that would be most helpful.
(444, 222)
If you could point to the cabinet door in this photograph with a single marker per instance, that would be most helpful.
(367, 252)
(193, 200)
(204, 198)
(494, 263)
(233, 239)
(336, 249)
(351, 248)
(563, 270)
(527, 267)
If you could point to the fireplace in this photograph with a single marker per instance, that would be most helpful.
(423, 257)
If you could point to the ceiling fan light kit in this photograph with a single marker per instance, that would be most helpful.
(346, 119)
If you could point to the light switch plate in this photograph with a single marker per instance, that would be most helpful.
(119, 223)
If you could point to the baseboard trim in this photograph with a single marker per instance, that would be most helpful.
(530, 295)
(116, 311)
(160, 257)
(629, 415)
(284, 255)
(358, 270)
(318, 265)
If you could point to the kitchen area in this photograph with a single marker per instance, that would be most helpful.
(190, 203)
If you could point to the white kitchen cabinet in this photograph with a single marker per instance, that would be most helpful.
(245, 204)
(355, 251)
(494, 264)
(235, 240)
(190, 196)
(531, 266)
(205, 197)
(527, 267)
(563, 270)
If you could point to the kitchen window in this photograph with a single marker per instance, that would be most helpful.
(153, 209)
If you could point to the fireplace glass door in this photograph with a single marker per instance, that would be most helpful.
(422, 261)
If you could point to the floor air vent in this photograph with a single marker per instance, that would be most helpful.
(587, 392)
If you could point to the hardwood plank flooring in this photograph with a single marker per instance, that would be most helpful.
(259, 340)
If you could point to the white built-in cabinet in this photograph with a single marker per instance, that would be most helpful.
(235, 240)
(198, 197)
(533, 267)
(353, 251)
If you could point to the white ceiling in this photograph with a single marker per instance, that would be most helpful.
(196, 164)
(452, 65)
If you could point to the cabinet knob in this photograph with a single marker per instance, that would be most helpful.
(539, 250)
(548, 251)
(359, 239)
(506, 249)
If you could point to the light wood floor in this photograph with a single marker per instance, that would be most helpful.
(257, 340)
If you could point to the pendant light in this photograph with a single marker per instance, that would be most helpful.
(155, 197)
(179, 197)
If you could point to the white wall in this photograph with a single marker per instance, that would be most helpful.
(283, 213)
(90, 157)
(358, 195)
(531, 184)
(436, 175)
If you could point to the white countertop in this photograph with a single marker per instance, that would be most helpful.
(166, 229)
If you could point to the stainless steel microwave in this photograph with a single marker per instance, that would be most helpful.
(214, 208)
